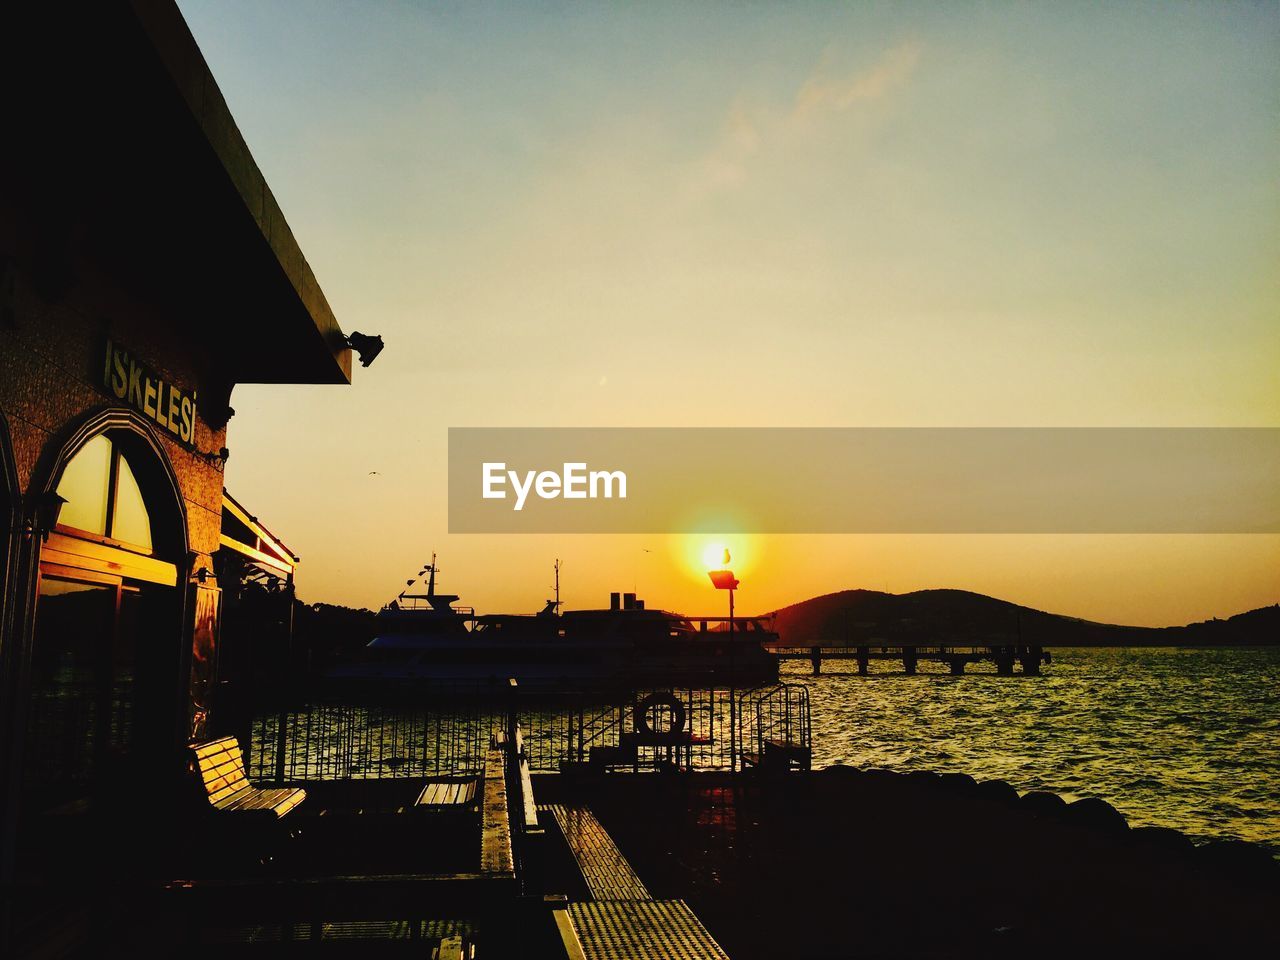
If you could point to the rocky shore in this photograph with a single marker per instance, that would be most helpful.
(870, 863)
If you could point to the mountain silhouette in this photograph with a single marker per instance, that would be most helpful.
(962, 617)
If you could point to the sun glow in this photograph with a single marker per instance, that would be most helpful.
(716, 556)
(699, 554)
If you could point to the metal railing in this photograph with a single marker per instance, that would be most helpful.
(324, 739)
(568, 733)
(343, 741)
(779, 714)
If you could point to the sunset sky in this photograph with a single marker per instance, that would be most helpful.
(760, 215)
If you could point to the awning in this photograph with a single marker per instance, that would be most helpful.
(245, 534)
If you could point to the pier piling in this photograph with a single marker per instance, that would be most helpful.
(1010, 659)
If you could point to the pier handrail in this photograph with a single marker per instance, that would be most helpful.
(783, 708)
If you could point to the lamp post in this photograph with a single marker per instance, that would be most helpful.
(725, 580)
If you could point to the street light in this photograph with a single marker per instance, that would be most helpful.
(725, 580)
(366, 346)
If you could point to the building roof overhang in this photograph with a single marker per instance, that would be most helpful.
(123, 144)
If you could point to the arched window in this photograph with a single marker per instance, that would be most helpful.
(103, 497)
(106, 643)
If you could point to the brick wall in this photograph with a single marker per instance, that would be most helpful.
(51, 359)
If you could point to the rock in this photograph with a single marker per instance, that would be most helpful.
(998, 791)
(959, 782)
(923, 778)
(1164, 839)
(1097, 814)
(878, 775)
(1043, 803)
(1239, 857)
(842, 772)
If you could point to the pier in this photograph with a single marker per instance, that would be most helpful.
(1026, 657)
(326, 842)
(579, 827)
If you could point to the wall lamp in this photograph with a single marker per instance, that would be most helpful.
(218, 460)
(368, 347)
(48, 507)
(199, 572)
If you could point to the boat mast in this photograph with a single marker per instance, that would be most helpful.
(431, 581)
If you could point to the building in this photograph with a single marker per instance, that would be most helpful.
(145, 271)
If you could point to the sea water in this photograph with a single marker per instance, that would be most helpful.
(1172, 737)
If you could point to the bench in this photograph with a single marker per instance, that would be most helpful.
(221, 767)
(447, 794)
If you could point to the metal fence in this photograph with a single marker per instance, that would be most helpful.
(342, 741)
(567, 733)
(326, 740)
(777, 714)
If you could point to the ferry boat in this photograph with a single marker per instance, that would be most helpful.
(426, 638)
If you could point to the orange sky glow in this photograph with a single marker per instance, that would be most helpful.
(727, 215)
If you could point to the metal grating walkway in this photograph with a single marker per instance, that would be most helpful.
(603, 867)
(642, 930)
(622, 921)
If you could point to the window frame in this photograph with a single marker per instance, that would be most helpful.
(113, 483)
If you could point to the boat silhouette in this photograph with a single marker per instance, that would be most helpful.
(426, 638)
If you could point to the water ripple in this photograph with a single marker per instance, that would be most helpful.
(1174, 738)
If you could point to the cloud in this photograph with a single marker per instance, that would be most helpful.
(749, 128)
(823, 93)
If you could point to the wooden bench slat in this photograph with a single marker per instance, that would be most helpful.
(447, 793)
(295, 797)
(206, 753)
(223, 784)
(221, 767)
(220, 764)
(218, 796)
(230, 800)
(214, 746)
(215, 780)
(231, 776)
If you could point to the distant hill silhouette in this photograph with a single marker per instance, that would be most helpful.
(960, 617)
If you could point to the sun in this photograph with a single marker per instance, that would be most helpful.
(697, 554)
(716, 556)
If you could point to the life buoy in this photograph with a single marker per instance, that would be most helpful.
(668, 700)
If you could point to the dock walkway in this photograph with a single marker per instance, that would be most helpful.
(607, 874)
(642, 930)
(622, 920)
